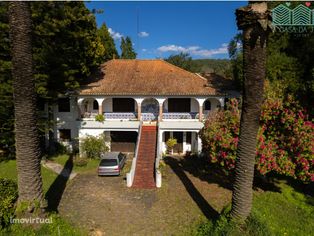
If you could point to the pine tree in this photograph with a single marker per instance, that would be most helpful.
(127, 51)
(107, 42)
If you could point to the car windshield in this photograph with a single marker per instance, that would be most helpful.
(108, 162)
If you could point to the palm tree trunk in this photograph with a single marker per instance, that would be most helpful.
(252, 20)
(26, 132)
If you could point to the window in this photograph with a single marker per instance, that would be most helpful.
(65, 134)
(179, 105)
(95, 105)
(123, 105)
(64, 105)
(207, 105)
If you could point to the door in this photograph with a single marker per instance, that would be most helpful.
(178, 148)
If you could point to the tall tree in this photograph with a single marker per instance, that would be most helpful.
(127, 51)
(26, 133)
(6, 93)
(253, 20)
(66, 49)
(184, 61)
(108, 43)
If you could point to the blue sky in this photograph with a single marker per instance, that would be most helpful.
(202, 29)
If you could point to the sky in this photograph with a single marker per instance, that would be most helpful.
(160, 29)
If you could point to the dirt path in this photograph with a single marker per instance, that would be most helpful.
(105, 203)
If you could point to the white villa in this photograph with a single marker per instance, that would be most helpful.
(134, 93)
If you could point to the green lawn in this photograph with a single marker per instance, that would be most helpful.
(8, 170)
(91, 165)
(285, 213)
(59, 226)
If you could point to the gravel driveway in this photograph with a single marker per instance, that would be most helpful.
(105, 204)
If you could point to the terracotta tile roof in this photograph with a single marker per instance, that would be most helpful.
(146, 77)
(219, 83)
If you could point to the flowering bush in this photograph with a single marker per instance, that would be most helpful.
(285, 138)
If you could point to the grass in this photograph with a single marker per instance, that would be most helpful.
(59, 226)
(287, 212)
(92, 164)
(8, 170)
(62, 159)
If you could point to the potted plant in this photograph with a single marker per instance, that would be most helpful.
(170, 144)
(100, 118)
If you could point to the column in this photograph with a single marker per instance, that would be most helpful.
(160, 112)
(200, 112)
(139, 111)
(199, 144)
(161, 103)
(139, 107)
(184, 142)
(100, 108)
(160, 142)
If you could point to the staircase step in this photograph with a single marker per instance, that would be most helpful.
(144, 173)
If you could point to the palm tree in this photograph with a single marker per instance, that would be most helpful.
(253, 20)
(26, 133)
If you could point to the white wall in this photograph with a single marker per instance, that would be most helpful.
(194, 105)
(107, 105)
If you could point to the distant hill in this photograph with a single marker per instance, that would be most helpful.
(218, 66)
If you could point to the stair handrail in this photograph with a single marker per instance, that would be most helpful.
(130, 175)
(157, 161)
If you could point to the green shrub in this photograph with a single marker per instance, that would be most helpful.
(93, 146)
(171, 142)
(79, 161)
(8, 197)
(285, 141)
(100, 118)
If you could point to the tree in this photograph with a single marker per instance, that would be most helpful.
(66, 50)
(108, 43)
(184, 61)
(6, 93)
(26, 133)
(236, 57)
(127, 51)
(253, 20)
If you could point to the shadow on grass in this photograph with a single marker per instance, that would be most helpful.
(57, 188)
(178, 169)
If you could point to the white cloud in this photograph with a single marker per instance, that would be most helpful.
(143, 34)
(144, 50)
(115, 35)
(195, 50)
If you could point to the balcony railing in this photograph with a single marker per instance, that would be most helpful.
(148, 116)
(180, 115)
(120, 115)
(89, 115)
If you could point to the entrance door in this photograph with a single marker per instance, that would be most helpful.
(178, 148)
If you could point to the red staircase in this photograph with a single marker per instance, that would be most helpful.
(144, 171)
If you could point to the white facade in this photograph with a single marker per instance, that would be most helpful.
(79, 119)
